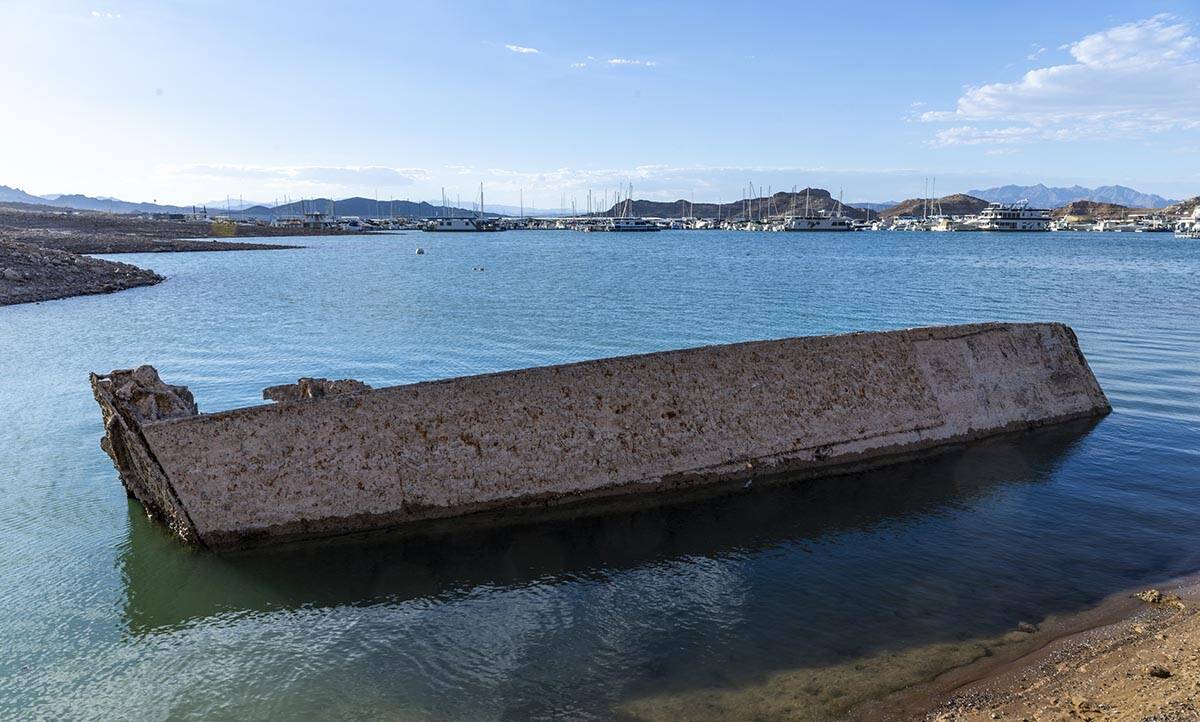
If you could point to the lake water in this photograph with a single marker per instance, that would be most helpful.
(818, 592)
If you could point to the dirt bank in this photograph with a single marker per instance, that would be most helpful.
(87, 232)
(29, 273)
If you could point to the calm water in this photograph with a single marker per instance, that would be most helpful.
(103, 615)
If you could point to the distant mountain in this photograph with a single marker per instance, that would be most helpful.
(780, 204)
(958, 204)
(1041, 196)
(357, 206)
(16, 195)
(231, 204)
(86, 203)
(880, 206)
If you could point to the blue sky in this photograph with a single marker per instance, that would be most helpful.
(189, 101)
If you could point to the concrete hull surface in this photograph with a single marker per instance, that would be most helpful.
(362, 459)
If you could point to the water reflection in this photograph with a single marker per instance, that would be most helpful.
(168, 585)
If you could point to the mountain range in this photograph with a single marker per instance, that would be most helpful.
(814, 199)
(959, 204)
(356, 206)
(1041, 196)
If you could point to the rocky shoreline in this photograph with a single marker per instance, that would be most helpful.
(29, 273)
(1135, 657)
(42, 252)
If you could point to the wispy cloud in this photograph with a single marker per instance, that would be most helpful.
(105, 15)
(628, 61)
(1125, 82)
(523, 50)
(301, 176)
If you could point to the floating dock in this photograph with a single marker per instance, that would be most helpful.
(333, 458)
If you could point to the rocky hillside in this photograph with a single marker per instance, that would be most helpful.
(1183, 208)
(958, 204)
(779, 204)
(1094, 210)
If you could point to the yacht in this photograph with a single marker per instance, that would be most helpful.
(479, 224)
(621, 225)
(462, 225)
(625, 223)
(1015, 217)
(816, 221)
(1189, 227)
(953, 223)
(819, 222)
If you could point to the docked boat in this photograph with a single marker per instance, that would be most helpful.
(621, 225)
(625, 223)
(953, 223)
(1015, 217)
(462, 225)
(818, 222)
(1189, 227)
(479, 224)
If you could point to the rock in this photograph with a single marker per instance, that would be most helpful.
(1027, 628)
(1150, 596)
(11, 274)
(143, 395)
(308, 388)
(1159, 671)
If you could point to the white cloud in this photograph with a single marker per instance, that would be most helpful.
(627, 61)
(521, 49)
(1127, 81)
(578, 65)
(105, 15)
(301, 176)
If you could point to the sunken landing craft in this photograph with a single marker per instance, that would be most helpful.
(333, 458)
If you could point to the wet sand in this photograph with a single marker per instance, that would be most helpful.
(1124, 659)
(1137, 657)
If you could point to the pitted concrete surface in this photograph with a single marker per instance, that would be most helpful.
(362, 460)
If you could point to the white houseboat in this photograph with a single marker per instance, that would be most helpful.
(1015, 217)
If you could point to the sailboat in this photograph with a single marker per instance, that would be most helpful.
(822, 221)
(479, 224)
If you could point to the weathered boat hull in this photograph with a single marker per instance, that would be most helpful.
(334, 463)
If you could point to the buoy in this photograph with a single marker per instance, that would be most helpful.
(420, 251)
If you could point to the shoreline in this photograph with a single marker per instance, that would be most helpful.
(45, 256)
(1087, 664)
(1135, 655)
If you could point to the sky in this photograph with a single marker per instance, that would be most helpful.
(189, 101)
